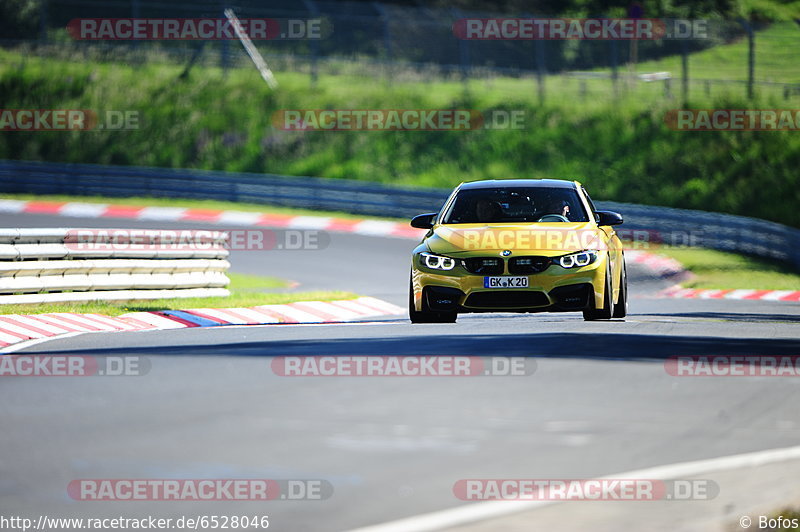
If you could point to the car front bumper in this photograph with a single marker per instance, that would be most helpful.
(555, 289)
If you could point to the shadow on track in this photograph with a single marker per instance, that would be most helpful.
(561, 345)
(734, 316)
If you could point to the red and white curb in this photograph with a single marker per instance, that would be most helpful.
(709, 293)
(670, 268)
(381, 228)
(16, 328)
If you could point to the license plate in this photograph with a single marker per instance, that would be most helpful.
(505, 282)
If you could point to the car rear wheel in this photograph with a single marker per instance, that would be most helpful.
(426, 315)
(607, 312)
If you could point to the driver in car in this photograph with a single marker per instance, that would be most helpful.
(557, 206)
(487, 211)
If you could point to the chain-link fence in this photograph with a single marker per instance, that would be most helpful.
(399, 42)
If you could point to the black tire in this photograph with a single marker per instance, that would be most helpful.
(425, 315)
(607, 311)
(621, 308)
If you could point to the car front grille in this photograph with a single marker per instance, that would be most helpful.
(484, 265)
(527, 265)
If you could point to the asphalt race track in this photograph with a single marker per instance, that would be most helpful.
(599, 402)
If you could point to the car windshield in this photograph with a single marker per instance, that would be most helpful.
(515, 204)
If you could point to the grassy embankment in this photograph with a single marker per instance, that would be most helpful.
(620, 148)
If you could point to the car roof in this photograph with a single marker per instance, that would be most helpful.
(512, 183)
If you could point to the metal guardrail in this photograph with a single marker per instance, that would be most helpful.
(54, 265)
(713, 230)
(358, 197)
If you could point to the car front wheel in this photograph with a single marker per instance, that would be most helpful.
(426, 315)
(621, 308)
(607, 312)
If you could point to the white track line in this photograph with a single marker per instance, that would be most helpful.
(486, 510)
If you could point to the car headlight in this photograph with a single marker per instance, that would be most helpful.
(577, 260)
(437, 262)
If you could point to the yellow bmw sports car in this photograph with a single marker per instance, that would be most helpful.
(527, 245)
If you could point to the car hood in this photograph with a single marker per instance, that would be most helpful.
(548, 239)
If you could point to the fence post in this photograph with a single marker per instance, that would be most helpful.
(387, 36)
(463, 49)
(314, 10)
(614, 66)
(225, 50)
(685, 72)
(751, 63)
(751, 57)
(43, 21)
(136, 12)
(541, 69)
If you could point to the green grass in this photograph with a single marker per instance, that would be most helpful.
(775, 53)
(252, 283)
(722, 270)
(246, 291)
(620, 148)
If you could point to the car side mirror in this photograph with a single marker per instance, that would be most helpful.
(423, 221)
(608, 218)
